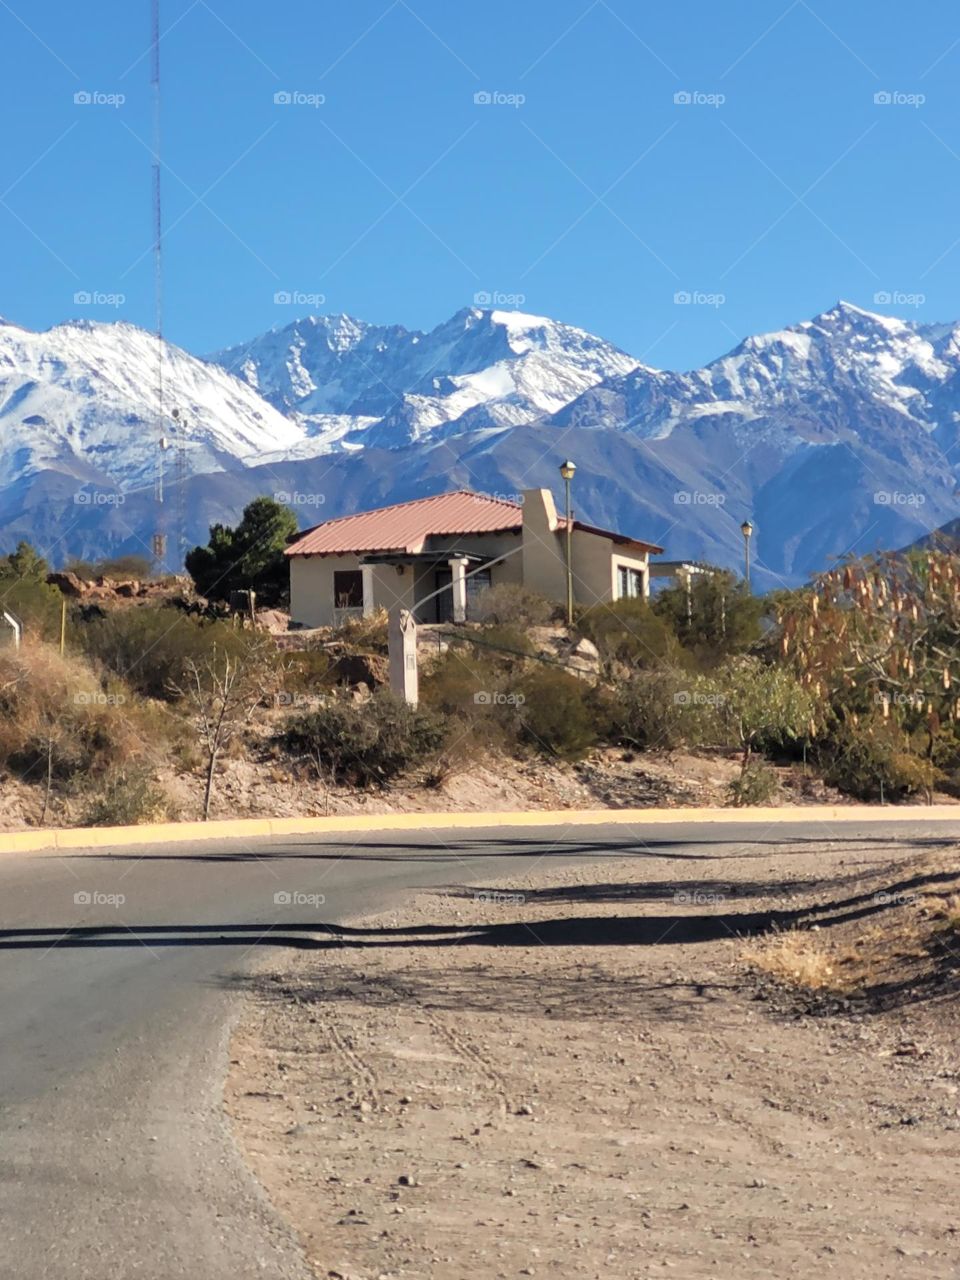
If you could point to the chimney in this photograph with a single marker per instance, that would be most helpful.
(539, 510)
(544, 567)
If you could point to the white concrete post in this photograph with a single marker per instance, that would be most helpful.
(458, 571)
(402, 648)
(366, 571)
(13, 622)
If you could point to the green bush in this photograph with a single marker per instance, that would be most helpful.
(757, 783)
(34, 603)
(150, 648)
(24, 591)
(656, 710)
(718, 617)
(368, 743)
(758, 707)
(871, 758)
(557, 714)
(509, 604)
(629, 634)
(126, 797)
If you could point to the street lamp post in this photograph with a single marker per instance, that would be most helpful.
(747, 530)
(568, 471)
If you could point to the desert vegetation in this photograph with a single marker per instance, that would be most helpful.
(853, 679)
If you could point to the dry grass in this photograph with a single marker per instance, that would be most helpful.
(910, 939)
(951, 915)
(66, 722)
(799, 958)
(365, 635)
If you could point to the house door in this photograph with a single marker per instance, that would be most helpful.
(444, 601)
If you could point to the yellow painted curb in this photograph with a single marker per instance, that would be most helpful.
(252, 828)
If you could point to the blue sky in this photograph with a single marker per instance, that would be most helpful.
(585, 189)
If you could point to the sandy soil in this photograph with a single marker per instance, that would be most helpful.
(576, 1075)
(608, 778)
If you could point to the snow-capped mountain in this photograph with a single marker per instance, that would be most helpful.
(835, 434)
(353, 384)
(82, 399)
(820, 376)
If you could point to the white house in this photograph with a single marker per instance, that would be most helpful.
(463, 541)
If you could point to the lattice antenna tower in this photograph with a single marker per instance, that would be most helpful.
(159, 536)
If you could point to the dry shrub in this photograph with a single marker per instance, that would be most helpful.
(757, 784)
(797, 958)
(557, 713)
(127, 797)
(63, 715)
(151, 648)
(473, 690)
(952, 915)
(366, 635)
(369, 743)
(509, 604)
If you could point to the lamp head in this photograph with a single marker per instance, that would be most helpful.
(746, 529)
(568, 469)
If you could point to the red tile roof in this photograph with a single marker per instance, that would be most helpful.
(407, 525)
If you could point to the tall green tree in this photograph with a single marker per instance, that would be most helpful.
(716, 617)
(26, 563)
(24, 590)
(248, 557)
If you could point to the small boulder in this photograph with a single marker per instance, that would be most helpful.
(67, 583)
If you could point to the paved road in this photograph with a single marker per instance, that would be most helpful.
(117, 979)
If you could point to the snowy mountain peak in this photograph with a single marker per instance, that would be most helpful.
(847, 318)
(351, 384)
(81, 398)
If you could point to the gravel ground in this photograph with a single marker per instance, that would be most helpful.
(573, 1075)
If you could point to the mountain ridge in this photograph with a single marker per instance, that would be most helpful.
(833, 434)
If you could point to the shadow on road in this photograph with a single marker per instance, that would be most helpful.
(513, 847)
(579, 931)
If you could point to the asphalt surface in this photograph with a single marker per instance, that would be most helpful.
(119, 972)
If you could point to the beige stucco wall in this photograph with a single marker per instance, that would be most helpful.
(311, 587)
(595, 564)
(311, 578)
(544, 563)
(538, 561)
(391, 588)
(595, 559)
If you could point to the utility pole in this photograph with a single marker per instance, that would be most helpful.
(568, 470)
(747, 530)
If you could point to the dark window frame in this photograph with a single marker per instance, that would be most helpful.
(348, 595)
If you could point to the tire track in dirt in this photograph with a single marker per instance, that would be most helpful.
(365, 1073)
(469, 1054)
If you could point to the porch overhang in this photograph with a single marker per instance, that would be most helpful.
(428, 559)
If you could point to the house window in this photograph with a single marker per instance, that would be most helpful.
(476, 585)
(629, 583)
(347, 589)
